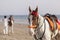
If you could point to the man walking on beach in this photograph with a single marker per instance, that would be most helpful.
(5, 20)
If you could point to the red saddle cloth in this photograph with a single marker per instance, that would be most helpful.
(58, 24)
(58, 21)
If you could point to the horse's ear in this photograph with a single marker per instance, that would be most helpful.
(29, 9)
(36, 9)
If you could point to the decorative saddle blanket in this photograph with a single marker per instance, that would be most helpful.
(53, 22)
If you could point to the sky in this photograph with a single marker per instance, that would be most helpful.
(20, 7)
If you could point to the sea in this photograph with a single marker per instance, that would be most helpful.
(21, 19)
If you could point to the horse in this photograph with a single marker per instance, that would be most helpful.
(11, 22)
(39, 27)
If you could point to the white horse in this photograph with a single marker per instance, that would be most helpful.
(10, 23)
(39, 26)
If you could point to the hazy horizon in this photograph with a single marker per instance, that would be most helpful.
(20, 7)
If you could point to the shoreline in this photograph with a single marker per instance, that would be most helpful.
(18, 21)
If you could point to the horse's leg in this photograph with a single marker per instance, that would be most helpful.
(35, 37)
(58, 35)
(33, 33)
(47, 36)
(12, 29)
(59, 32)
(47, 32)
(55, 33)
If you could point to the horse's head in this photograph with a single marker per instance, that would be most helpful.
(33, 17)
(11, 17)
(35, 22)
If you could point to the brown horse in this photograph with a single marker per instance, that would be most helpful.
(10, 22)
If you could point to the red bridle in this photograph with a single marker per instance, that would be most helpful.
(34, 13)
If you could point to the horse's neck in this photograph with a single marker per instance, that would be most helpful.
(45, 26)
(41, 19)
(11, 19)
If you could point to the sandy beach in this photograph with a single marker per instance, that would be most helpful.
(20, 33)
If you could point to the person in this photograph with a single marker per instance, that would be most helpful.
(5, 20)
